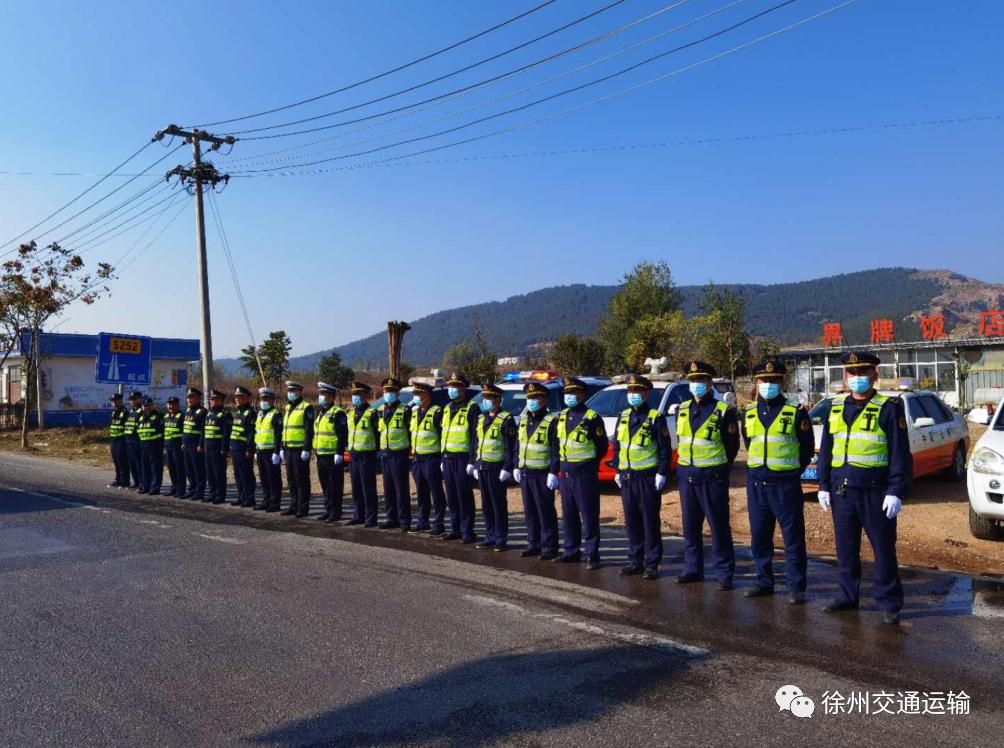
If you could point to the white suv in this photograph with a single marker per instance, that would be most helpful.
(985, 481)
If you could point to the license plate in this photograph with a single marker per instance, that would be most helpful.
(810, 474)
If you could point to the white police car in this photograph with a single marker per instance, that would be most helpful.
(514, 399)
(985, 481)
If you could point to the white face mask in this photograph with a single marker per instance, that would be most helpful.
(768, 390)
(322, 399)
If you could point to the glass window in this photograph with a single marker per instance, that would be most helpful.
(818, 380)
(612, 402)
(887, 371)
(946, 377)
(925, 376)
(885, 357)
(908, 370)
(945, 354)
(818, 414)
(907, 357)
(935, 409)
(926, 355)
(915, 408)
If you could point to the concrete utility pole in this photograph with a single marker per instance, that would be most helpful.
(194, 179)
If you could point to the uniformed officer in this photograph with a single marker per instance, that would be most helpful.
(495, 459)
(242, 447)
(331, 437)
(779, 444)
(394, 427)
(150, 431)
(363, 443)
(538, 463)
(459, 422)
(708, 441)
(582, 443)
(865, 471)
(216, 445)
(191, 445)
(132, 439)
(120, 452)
(427, 453)
(173, 426)
(267, 444)
(641, 449)
(297, 441)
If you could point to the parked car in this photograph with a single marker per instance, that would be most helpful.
(939, 437)
(726, 389)
(514, 399)
(985, 481)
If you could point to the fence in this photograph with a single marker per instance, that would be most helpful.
(10, 415)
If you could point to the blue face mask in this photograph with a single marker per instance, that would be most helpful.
(291, 396)
(322, 399)
(390, 397)
(357, 400)
(571, 400)
(534, 405)
(453, 392)
(769, 390)
(264, 405)
(635, 399)
(486, 405)
(698, 389)
(859, 385)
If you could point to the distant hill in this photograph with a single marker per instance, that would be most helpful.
(789, 312)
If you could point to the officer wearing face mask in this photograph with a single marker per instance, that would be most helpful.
(460, 417)
(297, 441)
(331, 436)
(641, 450)
(780, 444)
(427, 453)
(537, 474)
(865, 471)
(363, 465)
(268, 444)
(394, 427)
(582, 442)
(495, 458)
(708, 441)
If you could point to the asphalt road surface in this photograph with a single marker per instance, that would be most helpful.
(130, 620)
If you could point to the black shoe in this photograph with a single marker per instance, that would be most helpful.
(218, 501)
(890, 617)
(689, 578)
(154, 493)
(271, 509)
(184, 496)
(469, 540)
(796, 598)
(114, 485)
(592, 564)
(334, 519)
(548, 555)
(421, 528)
(371, 525)
(501, 548)
(484, 545)
(632, 570)
(301, 515)
(236, 503)
(389, 525)
(450, 536)
(288, 512)
(838, 606)
(142, 491)
(725, 585)
(568, 558)
(651, 573)
(529, 552)
(354, 522)
(436, 532)
(406, 528)
(759, 591)
(260, 507)
(324, 517)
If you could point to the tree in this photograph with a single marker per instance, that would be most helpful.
(577, 355)
(671, 335)
(647, 291)
(727, 342)
(331, 370)
(273, 354)
(473, 357)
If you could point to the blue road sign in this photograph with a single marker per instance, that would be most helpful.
(123, 359)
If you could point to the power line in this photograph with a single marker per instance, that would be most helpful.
(89, 243)
(165, 227)
(151, 191)
(384, 74)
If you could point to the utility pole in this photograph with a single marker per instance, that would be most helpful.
(200, 174)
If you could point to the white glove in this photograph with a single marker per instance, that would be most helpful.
(504, 476)
(617, 479)
(660, 482)
(470, 470)
(891, 505)
(475, 474)
(282, 454)
(552, 481)
(517, 475)
(338, 460)
(824, 500)
(304, 455)
(276, 458)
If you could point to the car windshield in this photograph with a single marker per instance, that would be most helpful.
(612, 402)
(999, 421)
(724, 387)
(818, 413)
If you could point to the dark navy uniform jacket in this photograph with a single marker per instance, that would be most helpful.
(768, 411)
(245, 423)
(132, 421)
(509, 440)
(894, 480)
(533, 421)
(437, 422)
(194, 414)
(596, 432)
(658, 432)
(225, 422)
(700, 411)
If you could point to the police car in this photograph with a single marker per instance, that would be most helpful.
(440, 393)
(514, 399)
(939, 437)
(985, 481)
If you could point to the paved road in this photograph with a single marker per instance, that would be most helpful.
(133, 621)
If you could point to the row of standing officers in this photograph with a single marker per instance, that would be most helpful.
(864, 468)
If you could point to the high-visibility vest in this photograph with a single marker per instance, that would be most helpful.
(191, 427)
(117, 427)
(214, 427)
(131, 422)
(264, 432)
(535, 448)
(294, 425)
(237, 433)
(639, 451)
(362, 437)
(456, 425)
(491, 444)
(325, 437)
(426, 438)
(865, 445)
(776, 446)
(706, 450)
(147, 429)
(394, 435)
(172, 425)
(576, 445)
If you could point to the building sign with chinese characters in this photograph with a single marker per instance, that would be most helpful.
(992, 323)
(882, 331)
(933, 327)
(833, 334)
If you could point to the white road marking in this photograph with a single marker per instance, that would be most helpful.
(231, 541)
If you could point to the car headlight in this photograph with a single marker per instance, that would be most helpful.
(986, 460)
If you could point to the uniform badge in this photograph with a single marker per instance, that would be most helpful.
(733, 428)
(693, 366)
(805, 425)
(600, 431)
(902, 423)
(665, 431)
(852, 359)
(769, 367)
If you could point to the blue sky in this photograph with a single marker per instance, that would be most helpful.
(330, 257)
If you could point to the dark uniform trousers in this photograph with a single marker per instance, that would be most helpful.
(778, 502)
(580, 510)
(459, 495)
(853, 510)
(152, 453)
(396, 487)
(494, 505)
(195, 469)
(243, 473)
(363, 473)
(428, 474)
(642, 507)
(538, 509)
(135, 460)
(332, 480)
(175, 466)
(298, 480)
(216, 469)
(120, 459)
(707, 499)
(270, 477)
